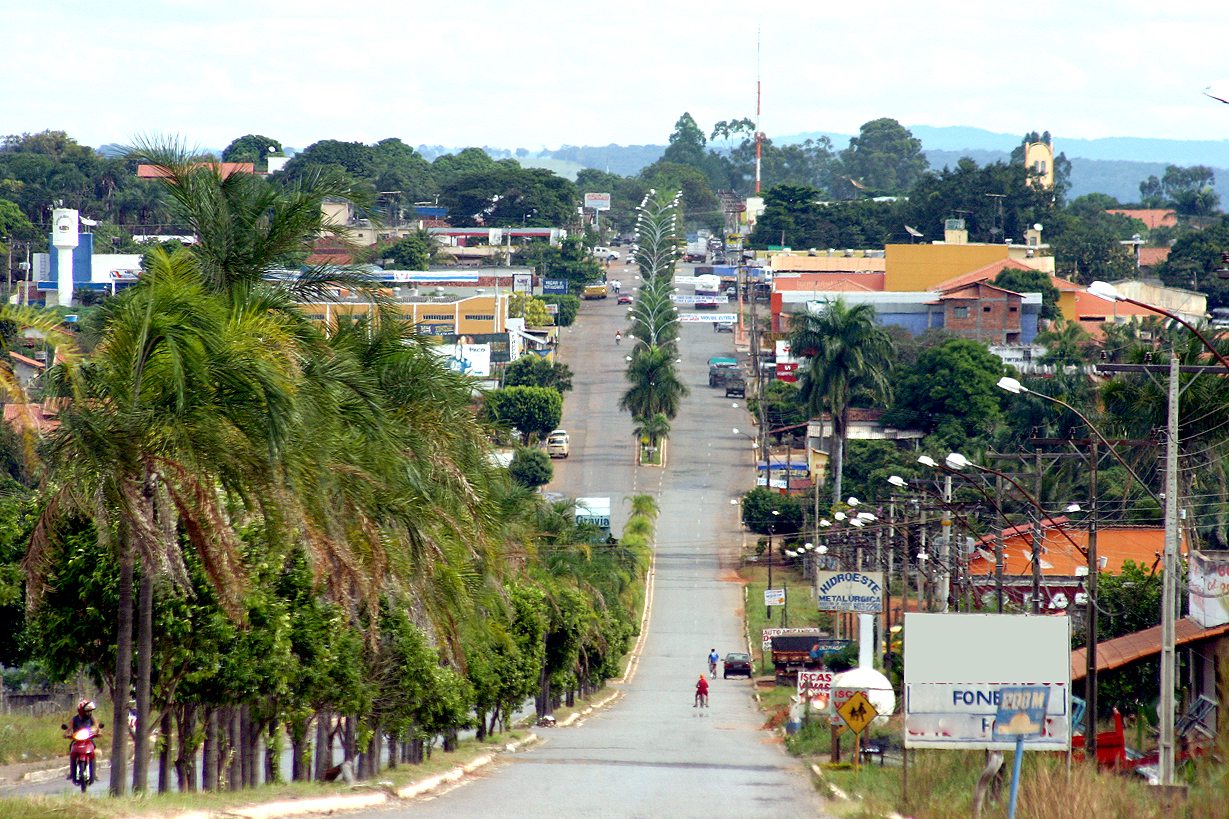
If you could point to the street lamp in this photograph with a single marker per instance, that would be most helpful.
(1107, 291)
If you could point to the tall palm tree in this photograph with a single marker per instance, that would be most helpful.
(846, 353)
(656, 387)
(180, 400)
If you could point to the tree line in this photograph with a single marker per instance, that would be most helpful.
(262, 527)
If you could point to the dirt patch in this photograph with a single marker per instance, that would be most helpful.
(732, 576)
(778, 718)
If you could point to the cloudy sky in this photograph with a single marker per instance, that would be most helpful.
(539, 74)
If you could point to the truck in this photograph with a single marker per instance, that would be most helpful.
(595, 291)
(794, 652)
(735, 386)
(696, 251)
(719, 367)
(708, 287)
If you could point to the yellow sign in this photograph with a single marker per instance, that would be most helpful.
(857, 712)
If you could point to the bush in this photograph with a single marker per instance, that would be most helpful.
(531, 468)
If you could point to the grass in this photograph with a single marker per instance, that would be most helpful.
(30, 739)
(75, 807)
(799, 613)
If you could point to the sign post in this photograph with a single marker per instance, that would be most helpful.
(857, 712)
(1022, 713)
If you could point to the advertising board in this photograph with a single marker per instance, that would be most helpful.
(956, 666)
(709, 317)
(522, 283)
(554, 287)
(849, 591)
(597, 201)
(816, 686)
(774, 597)
(767, 634)
(1209, 584)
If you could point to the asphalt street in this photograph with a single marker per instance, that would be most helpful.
(652, 754)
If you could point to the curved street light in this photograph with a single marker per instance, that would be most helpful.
(1107, 291)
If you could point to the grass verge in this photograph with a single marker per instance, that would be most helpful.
(74, 806)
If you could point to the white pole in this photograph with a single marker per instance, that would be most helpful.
(866, 640)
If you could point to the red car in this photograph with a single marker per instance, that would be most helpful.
(625, 298)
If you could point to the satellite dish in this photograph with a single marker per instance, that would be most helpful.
(914, 232)
(1037, 226)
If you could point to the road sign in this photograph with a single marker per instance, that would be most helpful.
(774, 597)
(1022, 711)
(857, 712)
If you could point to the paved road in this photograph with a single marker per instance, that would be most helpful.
(652, 754)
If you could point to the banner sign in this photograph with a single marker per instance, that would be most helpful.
(957, 667)
(774, 597)
(849, 591)
(709, 317)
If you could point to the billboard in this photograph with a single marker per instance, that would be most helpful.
(956, 666)
(816, 686)
(767, 634)
(522, 283)
(1209, 584)
(849, 591)
(554, 287)
(709, 317)
(597, 201)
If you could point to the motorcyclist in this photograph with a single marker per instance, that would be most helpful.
(701, 693)
(84, 718)
(713, 657)
(618, 336)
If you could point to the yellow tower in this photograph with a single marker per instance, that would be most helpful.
(1039, 157)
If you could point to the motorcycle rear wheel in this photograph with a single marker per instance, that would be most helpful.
(83, 774)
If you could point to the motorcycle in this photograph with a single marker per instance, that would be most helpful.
(81, 755)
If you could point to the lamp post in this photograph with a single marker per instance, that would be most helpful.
(1107, 291)
(772, 525)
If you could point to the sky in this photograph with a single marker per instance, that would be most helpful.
(537, 74)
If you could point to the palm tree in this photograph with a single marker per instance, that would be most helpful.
(652, 430)
(655, 384)
(181, 406)
(847, 354)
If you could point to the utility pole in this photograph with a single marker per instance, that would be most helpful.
(998, 546)
(1094, 568)
(1165, 744)
(1037, 535)
(945, 546)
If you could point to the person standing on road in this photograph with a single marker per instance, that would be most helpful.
(701, 693)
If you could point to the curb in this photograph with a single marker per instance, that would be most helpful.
(571, 718)
(329, 804)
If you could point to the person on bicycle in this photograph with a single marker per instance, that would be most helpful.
(701, 693)
(618, 336)
(713, 657)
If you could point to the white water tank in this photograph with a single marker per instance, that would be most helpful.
(65, 230)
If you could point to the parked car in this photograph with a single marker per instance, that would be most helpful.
(625, 298)
(558, 444)
(736, 663)
(723, 327)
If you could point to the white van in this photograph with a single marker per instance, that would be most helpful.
(558, 444)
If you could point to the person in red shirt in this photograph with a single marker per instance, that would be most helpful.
(701, 693)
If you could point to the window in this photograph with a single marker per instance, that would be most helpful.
(1013, 309)
(986, 309)
(480, 318)
(960, 312)
(438, 317)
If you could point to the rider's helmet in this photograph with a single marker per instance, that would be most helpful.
(86, 706)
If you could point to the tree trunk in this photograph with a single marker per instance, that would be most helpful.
(213, 758)
(234, 742)
(273, 746)
(164, 753)
(123, 669)
(324, 744)
(838, 454)
(480, 732)
(392, 752)
(185, 761)
(244, 746)
(145, 647)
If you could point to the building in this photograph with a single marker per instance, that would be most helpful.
(924, 266)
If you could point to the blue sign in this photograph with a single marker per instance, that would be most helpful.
(554, 287)
(1022, 711)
